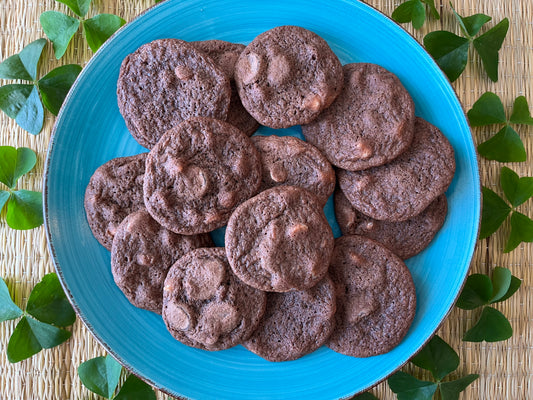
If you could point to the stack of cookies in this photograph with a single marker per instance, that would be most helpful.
(282, 286)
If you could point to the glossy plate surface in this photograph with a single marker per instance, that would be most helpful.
(90, 131)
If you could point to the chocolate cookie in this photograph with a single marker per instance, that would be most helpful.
(114, 191)
(407, 185)
(142, 253)
(206, 306)
(287, 160)
(376, 300)
(295, 323)
(198, 173)
(286, 76)
(369, 124)
(165, 82)
(279, 240)
(404, 238)
(225, 55)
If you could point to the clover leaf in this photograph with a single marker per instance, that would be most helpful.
(101, 376)
(42, 323)
(450, 51)
(492, 326)
(22, 101)
(415, 11)
(441, 360)
(506, 145)
(496, 210)
(60, 28)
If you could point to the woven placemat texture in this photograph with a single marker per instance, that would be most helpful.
(505, 368)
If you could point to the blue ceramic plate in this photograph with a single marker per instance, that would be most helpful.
(89, 131)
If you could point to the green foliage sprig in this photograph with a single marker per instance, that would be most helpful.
(414, 11)
(101, 376)
(24, 207)
(450, 51)
(42, 325)
(60, 28)
(24, 101)
(506, 145)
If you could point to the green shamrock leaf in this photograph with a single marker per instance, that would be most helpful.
(487, 110)
(31, 336)
(25, 210)
(21, 102)
(492, 326)
(407, 387)
(517, 190)
(55, 86)
(24, 64)
(60, 29)
(78, 7)
(494, 211)
(505, 146)
(135, 389)
(99, 28)
(437, 357)
(48, 303)
(521, 231)
(414, 11)
(14, 163)
(450, 390)
(8, 309)
(100, 375)
(520, 113)
(450, 51)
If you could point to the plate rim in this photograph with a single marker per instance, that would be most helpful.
(47, 224)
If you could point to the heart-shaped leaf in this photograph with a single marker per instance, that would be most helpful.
(495, 210)
(25, 210)
(517, 190)
(505, 146)
(55, 86)
(487, 110)
(14, 163)
(100, 375)
(78, 7)
(501, 280)
(99, 28)
(60, 29)
(521, 114)
(491, 327)
(521, 231)
(24, 64)
(472, 24)
(477, 292)
(22, 103)
(407, 387)
(8, 308)
(48, 303)
(451, 390)
(437, 357)
(489, 44)
(513, 287)
(135, 389)
(449, 51)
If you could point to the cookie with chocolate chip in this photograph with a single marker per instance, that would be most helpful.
(225, 55)
(286, 76)
(142, 253)
(295, 323)
(376, 299)
(279, 240)
(114, 191)
(287, 160)
(198, 173)
(206, 306)
(405, 238)
(369, 124)
(407, 185)
(168, 81)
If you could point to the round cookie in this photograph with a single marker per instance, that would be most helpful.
(295, 323)
(142, 253)
(198, 173)
(206, 306)
(376, 299)
(287, 160)
(114, 191)
(369, 124)
(404, 238)
(286, 76)
(407, 185)
(225, 55)
(165, 82)
(279, 240)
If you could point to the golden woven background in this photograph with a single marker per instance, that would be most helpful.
(505, 368)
